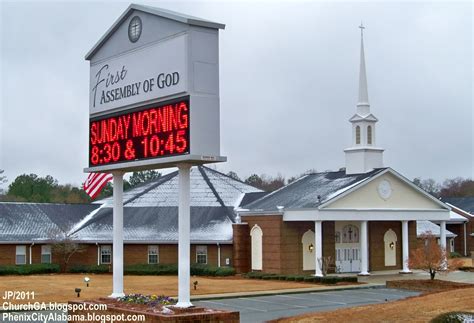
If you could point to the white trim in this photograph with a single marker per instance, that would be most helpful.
(370, 179)
(105, 248)
(203, 247)
(45, 252)
(151, 248)
(22, 248)
(256, 251)
(365, 215)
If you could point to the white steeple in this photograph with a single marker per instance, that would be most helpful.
(363, 156)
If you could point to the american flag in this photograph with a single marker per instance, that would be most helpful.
(95, 182)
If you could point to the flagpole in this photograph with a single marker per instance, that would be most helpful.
(118, 236)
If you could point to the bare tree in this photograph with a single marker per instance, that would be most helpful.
(325, 263)
(431, 257)
(64, 247)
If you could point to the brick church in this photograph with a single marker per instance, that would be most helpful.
(366, 217)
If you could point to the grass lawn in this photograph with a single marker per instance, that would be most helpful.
(421, 308)
(60, 287)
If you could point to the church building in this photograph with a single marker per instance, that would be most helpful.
(363, 217)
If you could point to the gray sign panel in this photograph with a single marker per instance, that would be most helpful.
(155, 71)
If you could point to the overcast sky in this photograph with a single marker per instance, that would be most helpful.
(288, 79)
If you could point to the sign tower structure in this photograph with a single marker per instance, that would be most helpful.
(154, 103)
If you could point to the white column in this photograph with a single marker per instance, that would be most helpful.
(218, 255)
(442, 240)
(184, 231)
(318, 246)
(98, 254)
(118, 236)
(364, 249)
(405, 248)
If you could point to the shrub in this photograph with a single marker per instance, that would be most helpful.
(92, 269)
(455, 255)
(150, 300)
(172, 269)
(206, 270)
(147, 269)
(330, 279)
(29, 269)
(453, 317)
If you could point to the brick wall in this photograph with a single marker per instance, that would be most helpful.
(271, 228)
(282, 247)
(377, 231)
(241, 247)
(133, 254)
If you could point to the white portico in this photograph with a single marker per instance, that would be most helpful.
(363, 216)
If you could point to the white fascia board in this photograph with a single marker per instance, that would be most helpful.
(455, 208)
(259, 213)
(301, 215)
(384, 215)
(366, 215)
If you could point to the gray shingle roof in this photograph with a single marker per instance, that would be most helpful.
(464, 203)
(424, 227)
(150, 212)
(39, 221)
(310, 191)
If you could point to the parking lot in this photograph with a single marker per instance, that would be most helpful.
(264, 308)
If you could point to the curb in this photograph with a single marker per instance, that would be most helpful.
(283, 291)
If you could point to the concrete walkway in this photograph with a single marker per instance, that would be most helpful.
(375, 280)
(263, 308)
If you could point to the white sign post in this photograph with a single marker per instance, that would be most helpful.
(118, 236)
(184, 231)
(154, 103)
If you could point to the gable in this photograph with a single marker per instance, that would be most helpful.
(402, 196)
(154, 29)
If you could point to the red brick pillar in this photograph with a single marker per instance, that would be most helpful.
(241, 247)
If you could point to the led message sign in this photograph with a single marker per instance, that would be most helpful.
(144, 133)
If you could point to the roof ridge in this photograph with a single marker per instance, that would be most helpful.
(225, 175)
(277, 190)
(214, 191)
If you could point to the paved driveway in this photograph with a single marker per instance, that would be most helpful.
(263, 308)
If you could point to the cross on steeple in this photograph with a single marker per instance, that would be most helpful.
(361, 29)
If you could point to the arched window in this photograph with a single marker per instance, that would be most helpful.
(390, 242)
(309, 258)
(369, 135)
(350, 234)
(357, 135)
(256, 245)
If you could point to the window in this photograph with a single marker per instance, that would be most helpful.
(201, 254)
(46, 254)
(105, 254)
(369, 135)
(20, 255)
(256, 235)
(350, 234)
(357, 135)
(153, 254)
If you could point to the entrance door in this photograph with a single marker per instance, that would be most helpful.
(348, 259)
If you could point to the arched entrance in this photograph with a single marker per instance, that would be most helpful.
(256, 235)
(390, 243)
(309, 258)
